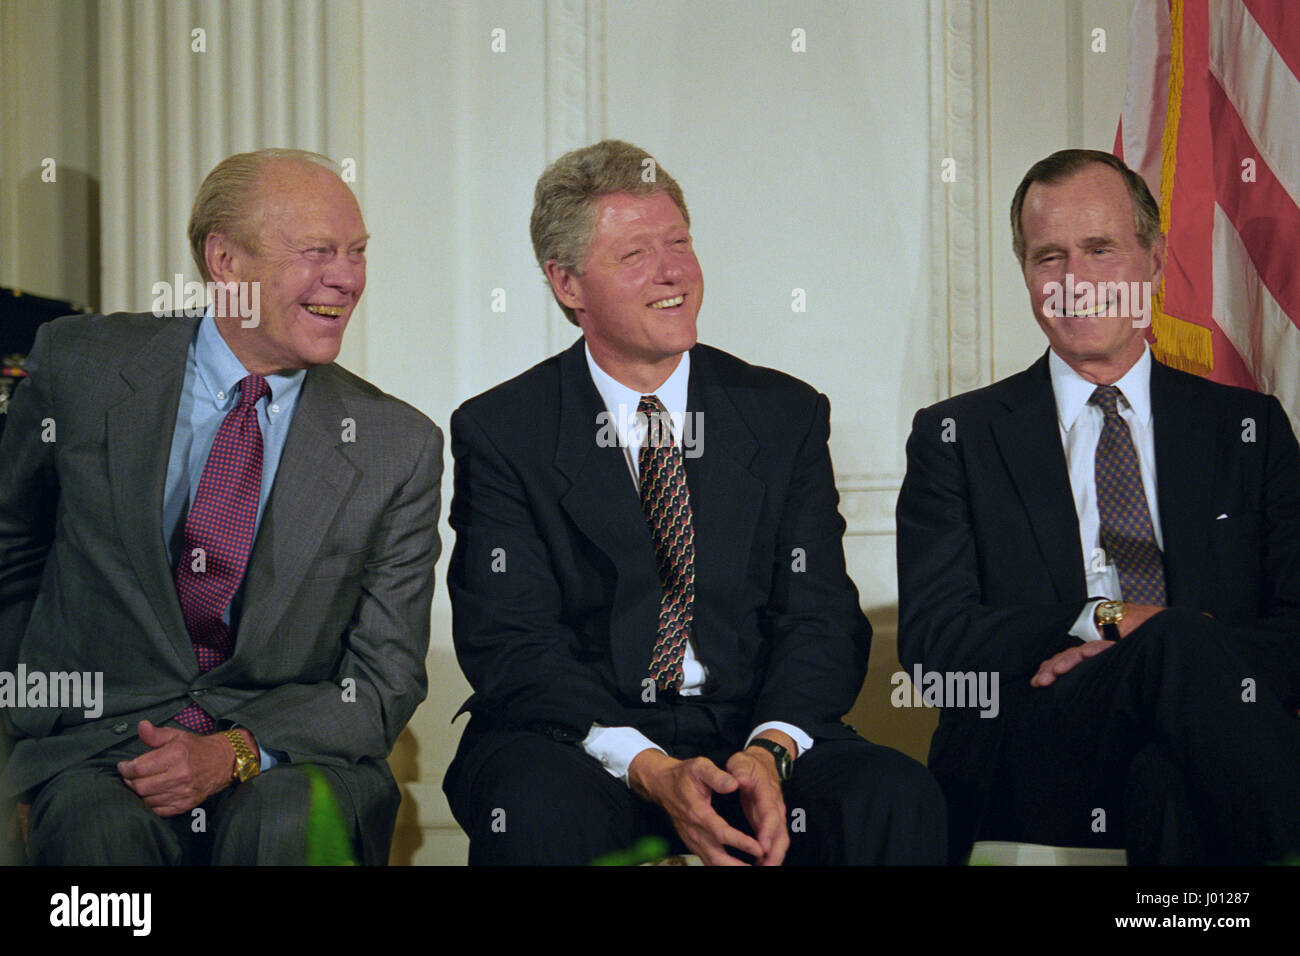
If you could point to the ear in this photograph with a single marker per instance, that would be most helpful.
(1158, 250)
(224, 257)
(566, 285)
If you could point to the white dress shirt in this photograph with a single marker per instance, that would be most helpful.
(617, 747)
(1081, 425)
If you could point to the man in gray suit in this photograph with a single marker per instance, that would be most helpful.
(230, 532)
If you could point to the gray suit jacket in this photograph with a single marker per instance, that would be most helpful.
(329, 659)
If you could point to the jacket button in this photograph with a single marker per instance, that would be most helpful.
(120, 727)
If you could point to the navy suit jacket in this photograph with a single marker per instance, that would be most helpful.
(990, 563)
(554, 587)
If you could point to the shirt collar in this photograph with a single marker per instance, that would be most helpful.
(1072, 390)
(220, 371)
(672, 393)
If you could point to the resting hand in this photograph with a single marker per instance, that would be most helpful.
(685, 789)
(181, 770)
(754, 770)
(1066, 661)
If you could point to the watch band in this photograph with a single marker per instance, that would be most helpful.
(248, 764)
(784, 762)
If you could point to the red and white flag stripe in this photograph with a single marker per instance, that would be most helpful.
(1212, 122)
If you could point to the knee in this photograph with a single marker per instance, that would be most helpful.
(264, 820)
(1184, 634)
(85, 818)
(533, 800)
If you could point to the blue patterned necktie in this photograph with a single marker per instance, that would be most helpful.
(666, 502)
(1127, 535)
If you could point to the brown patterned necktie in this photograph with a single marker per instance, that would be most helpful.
(1127, 535)
(667, 505)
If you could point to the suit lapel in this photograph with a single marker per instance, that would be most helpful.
(312, 481)
(602, 502)
(1029, 438)
(137, 465)
(726, 498)
(1185, 453)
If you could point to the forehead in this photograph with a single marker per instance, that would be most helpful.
(304, 197)
(1092, 202)
(626, 214)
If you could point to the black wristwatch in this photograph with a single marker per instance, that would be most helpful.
(784, 762)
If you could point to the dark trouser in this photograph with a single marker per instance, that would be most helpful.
(86, 816)
(525, 798)
(1179, 743)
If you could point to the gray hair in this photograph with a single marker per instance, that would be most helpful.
(224, 200)
(564, 201)
(1065, 163)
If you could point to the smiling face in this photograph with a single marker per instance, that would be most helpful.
(639, 291)
(310, 265)
(1083, 226)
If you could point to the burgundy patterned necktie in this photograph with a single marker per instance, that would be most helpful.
(219, 536)
(667, 505)
(1127, 535)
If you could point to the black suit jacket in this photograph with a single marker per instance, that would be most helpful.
(554, 588)
(990, 568)
(328, 664)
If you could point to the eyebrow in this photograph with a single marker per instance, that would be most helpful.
(326, 240)
(1085, 242)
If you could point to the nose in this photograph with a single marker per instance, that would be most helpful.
(669, 267)
(345, 273)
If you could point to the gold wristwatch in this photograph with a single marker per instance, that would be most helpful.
(247, 762)
(1107, 617)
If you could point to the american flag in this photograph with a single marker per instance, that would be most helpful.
(1212, 122)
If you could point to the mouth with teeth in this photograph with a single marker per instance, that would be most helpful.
(668, 303)
(1100, 310)
(327, 311)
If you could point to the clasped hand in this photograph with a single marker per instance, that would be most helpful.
(181, 769)
(685, 789)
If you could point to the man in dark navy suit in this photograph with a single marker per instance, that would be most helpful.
(1119, 542)
(648, 583)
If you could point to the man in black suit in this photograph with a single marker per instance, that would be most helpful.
(1119, 544)
(648, 582)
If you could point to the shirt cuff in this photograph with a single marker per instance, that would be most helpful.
(1085, 625)
(802, 740)
(617, 747)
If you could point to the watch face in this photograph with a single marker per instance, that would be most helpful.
(1110, 612)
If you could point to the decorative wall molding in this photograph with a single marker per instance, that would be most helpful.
(575, 99)
(961, 343)
(867, 503)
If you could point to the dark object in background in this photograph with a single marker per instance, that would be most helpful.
(20, 316)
